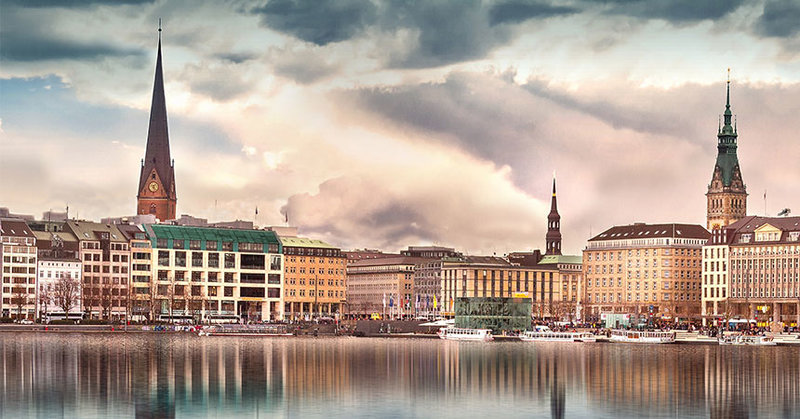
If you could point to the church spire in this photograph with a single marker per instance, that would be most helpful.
(157, 177)
(553, 237)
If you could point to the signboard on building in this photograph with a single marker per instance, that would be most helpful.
(498, 314)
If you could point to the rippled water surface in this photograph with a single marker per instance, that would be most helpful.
(151, 375)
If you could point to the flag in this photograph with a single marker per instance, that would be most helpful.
(435, 305)
(384, 300)
(391, 301)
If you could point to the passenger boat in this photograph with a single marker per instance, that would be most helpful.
(455, 333)
(641, 336)
(545, 334)
(245, 330)
(747, 340)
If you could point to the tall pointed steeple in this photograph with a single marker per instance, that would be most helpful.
(553, 237)
(156, 194)
(727, 193)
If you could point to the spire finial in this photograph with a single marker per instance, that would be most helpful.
(554, 183)
(728, 99)
(159, 29)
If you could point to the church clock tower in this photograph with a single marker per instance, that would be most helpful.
(156, 194)
(727, 193)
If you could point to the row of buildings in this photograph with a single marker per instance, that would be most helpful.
(139, 267)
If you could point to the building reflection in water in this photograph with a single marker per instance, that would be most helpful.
(67, 375)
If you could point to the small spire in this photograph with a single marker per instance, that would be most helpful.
(554, 183)
(728, 100)
(159, 31)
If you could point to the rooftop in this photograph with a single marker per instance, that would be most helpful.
(646, 231)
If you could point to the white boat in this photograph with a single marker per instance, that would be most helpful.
(245, 330)
(747, 340)
(641, 336)
(456, 333)
(545, 334)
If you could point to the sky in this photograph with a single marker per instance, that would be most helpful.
(384, 124)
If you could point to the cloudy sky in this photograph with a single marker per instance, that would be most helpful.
(384, 124)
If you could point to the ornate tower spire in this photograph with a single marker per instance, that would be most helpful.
(553, 237)
(727, 194)
(156, 194)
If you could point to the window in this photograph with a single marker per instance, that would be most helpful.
(180, 258)
(177, 244)
(211, 245)
(194, 244)
(213, 260)
(275, 263)
(230, 260)
(197, 258)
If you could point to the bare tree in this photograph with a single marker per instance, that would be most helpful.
(44, 299)
(195, 301)
(106, 298)
(19, 298)
(66, 293)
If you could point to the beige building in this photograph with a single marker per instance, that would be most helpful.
(552, 285)
(381, 285)
(716, 254)
(142, 290)
(210, 273)
(645, 268)
(315, 278)
(764, 269)
(18, 262)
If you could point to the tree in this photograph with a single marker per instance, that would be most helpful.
(195, 301)
(19, 298)
(66, 293)
(44, 299)
(106, 298)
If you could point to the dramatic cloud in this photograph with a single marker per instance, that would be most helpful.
(781, 18)
(676, 11)
(385, 123)
(318, 22)
(520, 11)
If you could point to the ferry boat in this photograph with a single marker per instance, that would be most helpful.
(641, 336)
(245, 330)
(545, 334)
(747, 340)
(455, 333)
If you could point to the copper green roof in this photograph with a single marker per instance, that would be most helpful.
(556, 259)
(171, 232)
(727, 161)
(304, 242)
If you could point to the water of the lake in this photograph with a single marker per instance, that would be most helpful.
(151, 375)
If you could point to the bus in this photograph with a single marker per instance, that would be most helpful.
(176, 318)
(76, 317)
(223, 318)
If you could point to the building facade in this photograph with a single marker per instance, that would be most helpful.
(727, 194)
(18, 262)
(142, 290)
(645, 269)
(59, 272)
(105, 259)
(201, 272)
(764, 269)
(382, 285)
(156, 194)
(716, 254)
(315, 278)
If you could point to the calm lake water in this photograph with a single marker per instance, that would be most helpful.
(151, 375)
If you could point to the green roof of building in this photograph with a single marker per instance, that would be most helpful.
(556, 259)
(165, 231)
(304, 242)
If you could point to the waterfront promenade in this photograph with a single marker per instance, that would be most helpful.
(407, 330)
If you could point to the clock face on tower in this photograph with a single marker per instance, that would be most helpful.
(153, 186)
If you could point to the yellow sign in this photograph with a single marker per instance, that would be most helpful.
(522, 295)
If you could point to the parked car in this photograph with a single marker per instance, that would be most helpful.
(23, 321)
